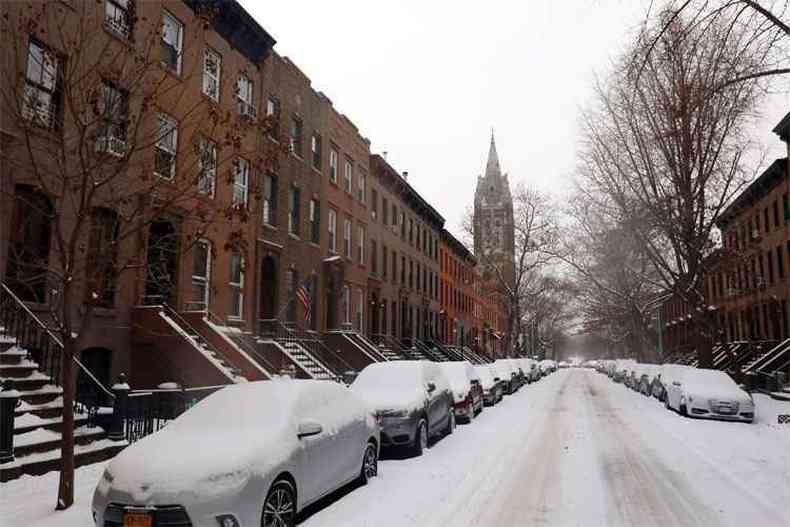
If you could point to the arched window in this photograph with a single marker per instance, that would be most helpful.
(102, 258)
(28, 250)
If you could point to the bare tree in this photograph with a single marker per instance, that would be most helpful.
(535, 236)
(761, 28)
(666, 148)
(107, 142)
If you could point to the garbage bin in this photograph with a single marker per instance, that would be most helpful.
(9, 401)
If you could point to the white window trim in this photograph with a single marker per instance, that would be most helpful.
(179, 46)
(211, 172)
(348, 245)
(241, 167)
(204, 280)
(333, 156)
(332, 227)
(348, 177)
(362, 186)
(238, 286)
(208, 77)
(161, 143)
(267, 209)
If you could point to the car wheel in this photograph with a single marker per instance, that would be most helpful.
(450, 423)
(279, 509)
(420, 438)
(472, 412)
(683, 410)
(370, 464)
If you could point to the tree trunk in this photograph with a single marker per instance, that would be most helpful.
(66, 485)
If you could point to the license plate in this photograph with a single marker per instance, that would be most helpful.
(137, 519)
(726, 410)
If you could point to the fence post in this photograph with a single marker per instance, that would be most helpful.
(9, 400)
(121, 389)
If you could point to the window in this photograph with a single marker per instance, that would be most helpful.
(113, 110)
(333, 165)
(332, 222)
(346, 304)
(241, 179)
(780, 262)
(361, 244)
(172, 42)
(296, 136)
(362, 190)
(347, 177)
(28, 248)
(236, 285)
(384, 262)
(347, 238)
(402, 222)
(776, 214)
(102, 257)
(244, 97)
(116, 17)
(270, 199)
(41, 99)
(166, 147)
(374, 257)
(315, 221)
(384, 211)
(315, 149)
(207, 165)
(212, 65)
(360, 309)
(294, 213)
(374, 204)
(201, 274)
(273, 116)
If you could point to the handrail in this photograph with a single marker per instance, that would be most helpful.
(310, 341)
(55, 339)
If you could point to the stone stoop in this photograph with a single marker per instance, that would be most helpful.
(38, 420)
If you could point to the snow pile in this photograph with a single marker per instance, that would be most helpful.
(397, 385)
(486, 376)
(459, 374)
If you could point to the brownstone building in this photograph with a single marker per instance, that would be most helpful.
(747, 283)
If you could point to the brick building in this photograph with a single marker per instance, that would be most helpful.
(457, 282)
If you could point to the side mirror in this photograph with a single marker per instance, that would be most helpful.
(309, 428)
(475, 382)
(431, 387)
(675, 383)
(497, 379)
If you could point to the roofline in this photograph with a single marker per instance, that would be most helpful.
(783, 128)
(458, 246)
(757, 189)
(437, 218)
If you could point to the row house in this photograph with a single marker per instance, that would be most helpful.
(457, 282)
(747, 280)
(404, 263)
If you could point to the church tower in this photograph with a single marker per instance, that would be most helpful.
(493, 218)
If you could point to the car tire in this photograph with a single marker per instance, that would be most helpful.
(279, 507)
(420, 438)
(370, 464)
(450, 423)
(683, 410)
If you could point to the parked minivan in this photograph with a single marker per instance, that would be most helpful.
(411, 399)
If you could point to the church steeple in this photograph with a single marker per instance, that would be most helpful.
(492, 166)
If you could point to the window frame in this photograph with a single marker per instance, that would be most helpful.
(237, 287)
(167, 119)
(294, 211)
(314, 216)
(197, 280)
(178, 47)
(348, 245)
(240, 167)
(48, 83)
(348, 175)
(269, 201)
(334, 157)
(332, 229)
(208, 78)
(316, 150)
(209, 174)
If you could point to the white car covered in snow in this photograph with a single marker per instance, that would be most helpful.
(411, 398)
(250, 454)
(710, 394)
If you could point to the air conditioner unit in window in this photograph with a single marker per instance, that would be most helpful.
(247, 110)
(755, 234)
(111, 145)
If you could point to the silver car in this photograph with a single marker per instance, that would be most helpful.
(709, 394)
(250, 454)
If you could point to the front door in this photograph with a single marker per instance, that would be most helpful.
(268, 292)
(162, 270)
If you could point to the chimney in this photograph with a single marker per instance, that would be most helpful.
(384, 155)
(406, 175)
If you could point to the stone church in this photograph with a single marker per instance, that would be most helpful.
(493, 218)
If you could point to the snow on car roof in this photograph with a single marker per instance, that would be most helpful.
(459, 376)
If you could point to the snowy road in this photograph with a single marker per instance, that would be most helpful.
(574, 449)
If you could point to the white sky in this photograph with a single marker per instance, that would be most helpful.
(426, 80)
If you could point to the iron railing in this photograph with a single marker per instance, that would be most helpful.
(42, 345)
(309, 340)
(390, 343)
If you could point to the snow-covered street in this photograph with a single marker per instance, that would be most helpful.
(573, 449)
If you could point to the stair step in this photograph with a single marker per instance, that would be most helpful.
(43, 462)
(27, 422)
(44, 410)
(42, 395)
(42, 440)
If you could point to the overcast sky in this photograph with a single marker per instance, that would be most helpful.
(426, 80)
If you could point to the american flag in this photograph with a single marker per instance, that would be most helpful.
(303, 294)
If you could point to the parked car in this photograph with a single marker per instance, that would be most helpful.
(507, 373)
(520, 374)
(710, 394)
(546, 367)
(531, 371)
(491, 384)
(564, 364)
(644, 384)
(412, 400)
(669, 373)
(244, 455)
(465, 385)
(622, 368)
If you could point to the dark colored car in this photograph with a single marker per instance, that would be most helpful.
(491, 384)
(465, 385)
(412, 400)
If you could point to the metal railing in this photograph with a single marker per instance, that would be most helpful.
(42, 345)
(390, 343)
(309, 340)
